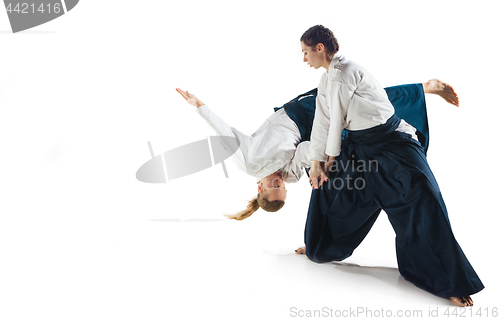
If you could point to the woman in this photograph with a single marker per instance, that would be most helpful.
(278, 150)
(402, 184)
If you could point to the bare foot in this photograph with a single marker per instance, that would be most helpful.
(437, 87)
(464, 301)
(301, 250)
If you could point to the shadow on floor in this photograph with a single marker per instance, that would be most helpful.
(358, 273)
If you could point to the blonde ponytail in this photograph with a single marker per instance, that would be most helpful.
(255, 204)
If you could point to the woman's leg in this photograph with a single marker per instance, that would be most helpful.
(428, 254)
(445, 91)
(409, 104)
(340, 215)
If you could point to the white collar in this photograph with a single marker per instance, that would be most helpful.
(335, 60)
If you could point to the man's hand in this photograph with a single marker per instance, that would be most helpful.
(190, 98)
(316, 173)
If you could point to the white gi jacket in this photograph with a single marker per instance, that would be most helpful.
(274, 146)
(348, 97)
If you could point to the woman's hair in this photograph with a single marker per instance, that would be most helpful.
(255, 204)
(320, 34)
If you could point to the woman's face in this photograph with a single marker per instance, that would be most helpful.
(273, 187)
(314, 58)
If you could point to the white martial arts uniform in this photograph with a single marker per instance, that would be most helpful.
(348, 97)
(274, 146)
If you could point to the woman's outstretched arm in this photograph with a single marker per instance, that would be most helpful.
(221, 128)
(190, 98)
(214, 121)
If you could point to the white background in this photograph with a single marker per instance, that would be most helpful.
(80, 96)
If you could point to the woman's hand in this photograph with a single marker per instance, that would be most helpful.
(190, 98)
(317, 175)
(327, 167)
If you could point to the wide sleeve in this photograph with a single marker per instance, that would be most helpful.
(300, 160)
(214, 121)
(329, 120)
(321, 122)
(222, 129)
(340, 98)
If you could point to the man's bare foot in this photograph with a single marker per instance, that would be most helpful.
(437, 87)
(464, 301)
(301, 250)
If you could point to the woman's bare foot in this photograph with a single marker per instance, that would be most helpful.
(437, 87)
(464, 301)
(301, 250)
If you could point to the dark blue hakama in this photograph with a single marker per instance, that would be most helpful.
(381, 168)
